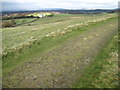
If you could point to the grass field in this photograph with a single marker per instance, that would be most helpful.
(44, 26)
(51, 51)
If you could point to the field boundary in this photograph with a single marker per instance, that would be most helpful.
(27, 22)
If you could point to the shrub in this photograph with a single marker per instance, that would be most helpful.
(7, 24)
(50, 15)
(13, 21)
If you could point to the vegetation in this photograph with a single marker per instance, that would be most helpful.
(103, 70)
(15, 19)
(38, 46)
(42, 27)
(26, 15)
(17, 22)
(7, 24)
(33, 38)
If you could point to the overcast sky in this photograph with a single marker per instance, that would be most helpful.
(66, 4)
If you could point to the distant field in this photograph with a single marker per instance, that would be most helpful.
(50, 51)
(20, 21)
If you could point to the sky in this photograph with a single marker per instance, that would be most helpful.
(65, 4)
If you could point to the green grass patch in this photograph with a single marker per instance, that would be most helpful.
(103, 70)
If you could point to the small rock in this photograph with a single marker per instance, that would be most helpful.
(111, 25)
(96, 35)
(35, 76)
(84, 38)
(26, 77)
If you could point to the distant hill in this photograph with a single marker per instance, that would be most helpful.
(66, 11)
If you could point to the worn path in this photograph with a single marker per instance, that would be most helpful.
(62, 66)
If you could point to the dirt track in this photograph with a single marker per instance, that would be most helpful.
(62, 66)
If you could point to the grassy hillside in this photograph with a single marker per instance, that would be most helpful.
(58, 42)
(19, 35)
(36, 46)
